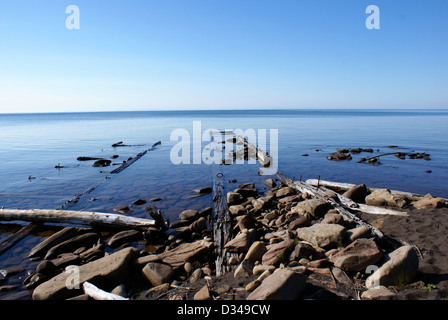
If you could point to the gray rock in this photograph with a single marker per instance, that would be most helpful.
(283, 284)
(323, 235)
(400, 268)
(158, 273)
(106, 273)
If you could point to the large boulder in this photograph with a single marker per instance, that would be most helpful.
(323, 235)
(106, 273)
(357, 256)
(400, 268)
(383, 197)
(283, 284)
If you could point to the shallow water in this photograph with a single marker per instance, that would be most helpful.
(33, 144)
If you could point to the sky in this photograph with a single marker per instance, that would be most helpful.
(222, 54)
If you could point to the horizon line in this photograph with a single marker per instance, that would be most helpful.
(229, 110)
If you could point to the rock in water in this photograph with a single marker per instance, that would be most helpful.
(283, 284)
(106, 273)
(102, 163)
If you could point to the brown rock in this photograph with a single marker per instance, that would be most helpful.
(315, 207)
(107, 273)
(158, 273)
(383, 197)
(283, 284)
(357, 193)
(278, 252)
(242, 241)
(323, 235)
(188, 215)
(357, 256)
(428, 202)
(302, 221)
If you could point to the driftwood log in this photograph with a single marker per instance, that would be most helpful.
(343, 208)
(338, 186)
(98, 219)
(97, 294)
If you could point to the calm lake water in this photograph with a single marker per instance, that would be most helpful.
(32, 145)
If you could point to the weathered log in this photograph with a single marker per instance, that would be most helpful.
(222, 226)
(76, 217)
(377, 210)
(98, 294)
(338, 186)
(321, 194)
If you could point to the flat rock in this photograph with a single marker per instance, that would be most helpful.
(106, 273)
(357, 256)
(377, 292)
(323, 235)
(178, 256)
(283, 284)
(400, 268)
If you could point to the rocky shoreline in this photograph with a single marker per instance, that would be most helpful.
(286, 245)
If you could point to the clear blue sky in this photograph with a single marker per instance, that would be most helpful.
(222, 54)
